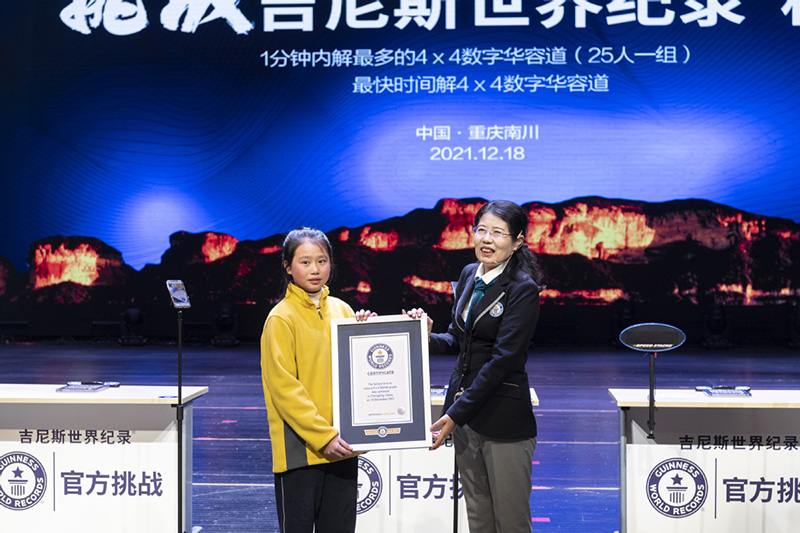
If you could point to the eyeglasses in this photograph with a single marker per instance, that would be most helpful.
(480, 231)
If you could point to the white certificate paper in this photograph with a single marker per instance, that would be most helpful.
(380, 368)
(381, 382)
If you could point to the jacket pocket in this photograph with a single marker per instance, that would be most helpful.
(509, 390)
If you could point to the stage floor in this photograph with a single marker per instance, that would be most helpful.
(576, 470)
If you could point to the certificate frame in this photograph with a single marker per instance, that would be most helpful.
(381, 382)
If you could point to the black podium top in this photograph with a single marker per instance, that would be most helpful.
(652, 337)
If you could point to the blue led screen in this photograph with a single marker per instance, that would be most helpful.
(128, 120)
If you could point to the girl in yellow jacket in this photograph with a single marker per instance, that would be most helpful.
(316, 472)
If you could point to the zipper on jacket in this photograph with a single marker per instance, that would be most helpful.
(464, 364)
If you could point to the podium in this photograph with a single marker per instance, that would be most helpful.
(411, 489)
(91, 462)
(716, 463)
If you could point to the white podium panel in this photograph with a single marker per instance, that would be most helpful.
(101, 461)
(719, 463)
(411, 490)
(408, 490)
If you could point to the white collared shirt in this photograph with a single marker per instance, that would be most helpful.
(487, 278)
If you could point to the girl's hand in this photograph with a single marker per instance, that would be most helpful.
(441, 429)
(337, 449)
(419, 313)
(362, 315)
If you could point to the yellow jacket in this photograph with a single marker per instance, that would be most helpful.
(296, 372)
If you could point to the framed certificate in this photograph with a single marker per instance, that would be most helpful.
(381, 382)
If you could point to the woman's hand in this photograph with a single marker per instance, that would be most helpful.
(419, 313)
(362, 315)
(441, 429)
(337, 448)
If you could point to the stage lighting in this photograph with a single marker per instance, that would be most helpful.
(716, 328)
(226, 326)
(132, 327)
(794, 326)
(623, 319)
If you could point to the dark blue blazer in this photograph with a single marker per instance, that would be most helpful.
(489, 387)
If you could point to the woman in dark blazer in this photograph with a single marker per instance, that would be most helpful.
(488, 403)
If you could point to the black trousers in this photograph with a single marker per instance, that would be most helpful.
(321, 496)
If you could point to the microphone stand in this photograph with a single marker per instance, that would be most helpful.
(179, 419)
(455, 490)
(180, 301)
(651, 422)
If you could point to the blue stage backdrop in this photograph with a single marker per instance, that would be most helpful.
(126, 122)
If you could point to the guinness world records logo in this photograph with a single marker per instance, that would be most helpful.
(380, 356)
(370, 485)
(22, 481)
(677, 488)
